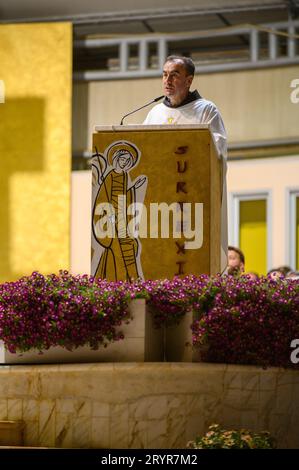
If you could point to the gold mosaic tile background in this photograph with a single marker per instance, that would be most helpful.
(35, 148)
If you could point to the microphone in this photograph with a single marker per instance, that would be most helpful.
(138, 109)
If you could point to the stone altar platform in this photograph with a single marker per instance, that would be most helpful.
(146, 405)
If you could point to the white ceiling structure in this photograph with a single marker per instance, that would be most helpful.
(146, 16)
(18, 9)
(97, 24)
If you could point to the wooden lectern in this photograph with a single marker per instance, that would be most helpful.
(156, 203)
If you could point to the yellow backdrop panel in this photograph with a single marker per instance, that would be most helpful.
(253, 235)
(35, 148)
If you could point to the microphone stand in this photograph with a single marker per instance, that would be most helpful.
(141, 107)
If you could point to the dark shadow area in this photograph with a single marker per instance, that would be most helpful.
(79, 126)
(21, 150)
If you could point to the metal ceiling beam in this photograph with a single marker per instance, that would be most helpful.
(144, 15)
(142, 66)
(229, 31)
(147, 26)
(228, 23)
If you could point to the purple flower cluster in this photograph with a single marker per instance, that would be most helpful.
(236, 320)
(170, 300)
(38, 312)
(248, 322)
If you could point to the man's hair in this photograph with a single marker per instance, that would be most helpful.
(188, 63)
(240, 253)
(285, 270)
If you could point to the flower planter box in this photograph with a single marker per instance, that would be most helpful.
(142, 342)
(178, 342)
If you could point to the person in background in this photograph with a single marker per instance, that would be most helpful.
(236, 261)
(293, 275)
(275, 274)
(283, 272)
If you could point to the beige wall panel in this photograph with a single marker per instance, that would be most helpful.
(80, 222)
(255, 104)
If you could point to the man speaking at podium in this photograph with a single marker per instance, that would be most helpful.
(180, 106)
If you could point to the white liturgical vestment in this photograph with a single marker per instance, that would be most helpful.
(199, 111)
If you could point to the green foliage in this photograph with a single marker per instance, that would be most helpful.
(217, 438)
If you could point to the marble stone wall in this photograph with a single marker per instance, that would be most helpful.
(146, 405)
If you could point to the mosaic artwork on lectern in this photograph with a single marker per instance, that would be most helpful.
(115, 244)
(156, 198)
